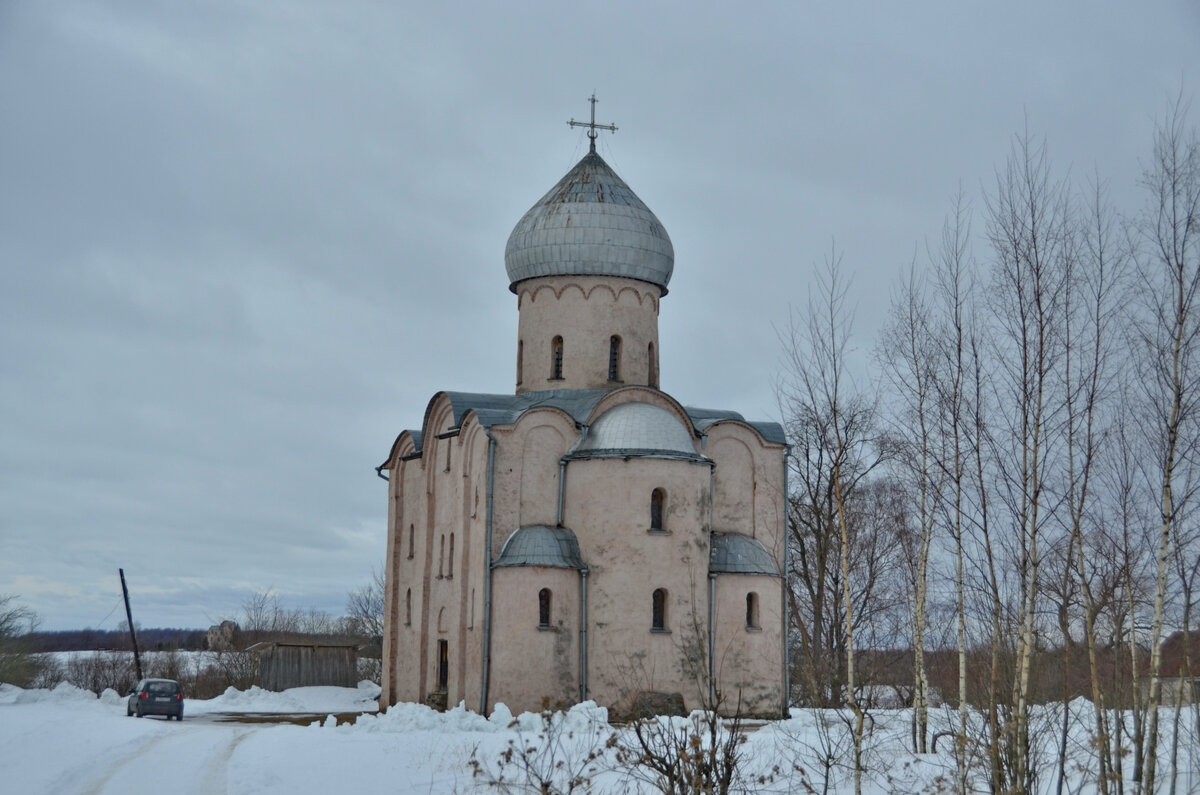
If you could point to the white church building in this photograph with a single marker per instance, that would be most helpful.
(586, 536)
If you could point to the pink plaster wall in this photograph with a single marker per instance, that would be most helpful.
(749, 662)
(532, 667)
(608, 504)
(586, 311)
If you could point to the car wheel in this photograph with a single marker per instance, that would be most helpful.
(179, 717)
(139, 714)
(128, 711)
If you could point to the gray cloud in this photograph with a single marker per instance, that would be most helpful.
(242, 244)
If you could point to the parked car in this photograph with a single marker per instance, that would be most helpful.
(156, 697)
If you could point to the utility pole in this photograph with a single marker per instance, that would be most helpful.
(137, 659)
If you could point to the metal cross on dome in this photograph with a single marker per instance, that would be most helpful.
(591, 125)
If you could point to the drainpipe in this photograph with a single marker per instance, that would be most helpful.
(487, 577)
(712, 640)
(783, 591)
(712, 592)
(562, 472)
(583, 635)
(712, 496)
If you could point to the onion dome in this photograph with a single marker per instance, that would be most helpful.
(590, 224)
(638, 429)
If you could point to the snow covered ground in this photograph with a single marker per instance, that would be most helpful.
(67, 740)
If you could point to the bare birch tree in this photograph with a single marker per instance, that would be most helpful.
(818, 387)
(1029, 227)
(952, 269)
(909, 360)
(1169, 267)
(1094, 322)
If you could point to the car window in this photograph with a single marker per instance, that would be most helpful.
(163, 688)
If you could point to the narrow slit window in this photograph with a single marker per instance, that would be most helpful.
(520, 358)
(442, 558)
(556, 360)
(544, 608)
(752, 610)
(408, 607)
(614, 358)
(657, 497)
(412, 535)
(450, 560)
(658, 609)
(653, 365)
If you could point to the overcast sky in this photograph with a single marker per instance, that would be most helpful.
(243, 243)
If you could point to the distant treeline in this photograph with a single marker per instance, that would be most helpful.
(90, 639)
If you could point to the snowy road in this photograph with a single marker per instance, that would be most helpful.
(97, 751)
(203, 751)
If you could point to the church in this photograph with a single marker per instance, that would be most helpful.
(586, 536)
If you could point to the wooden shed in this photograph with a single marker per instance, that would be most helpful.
(285, 664)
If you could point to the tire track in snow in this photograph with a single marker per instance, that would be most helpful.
(217, 779)
(115, 767)
(191, 741)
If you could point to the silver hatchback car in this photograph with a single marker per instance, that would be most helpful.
(156, 697)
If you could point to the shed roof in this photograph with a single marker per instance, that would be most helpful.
(271, 645)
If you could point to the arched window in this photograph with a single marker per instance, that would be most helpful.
(450, 560)
(412, 534)
(657, 498)
(556, 359)
(658, 609)
(520, 358)
(653, 372)
(614, 358)
(752, 610)
(408, 607)
(544, 608)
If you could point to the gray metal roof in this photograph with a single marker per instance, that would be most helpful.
(538, 545)
(579, 404)
(638, 429)
(507, 409)
(704, 419)
(734, 553)
(590, 224)
(417, 437)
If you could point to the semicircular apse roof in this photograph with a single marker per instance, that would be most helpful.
(590, 224)
(735, 553)
(538, 545)
(638, 429)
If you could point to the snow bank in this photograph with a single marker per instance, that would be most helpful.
(364, 698)
(62, 693)
(408, 718)
(68, 740)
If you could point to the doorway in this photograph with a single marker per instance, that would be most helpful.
(443, 664)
